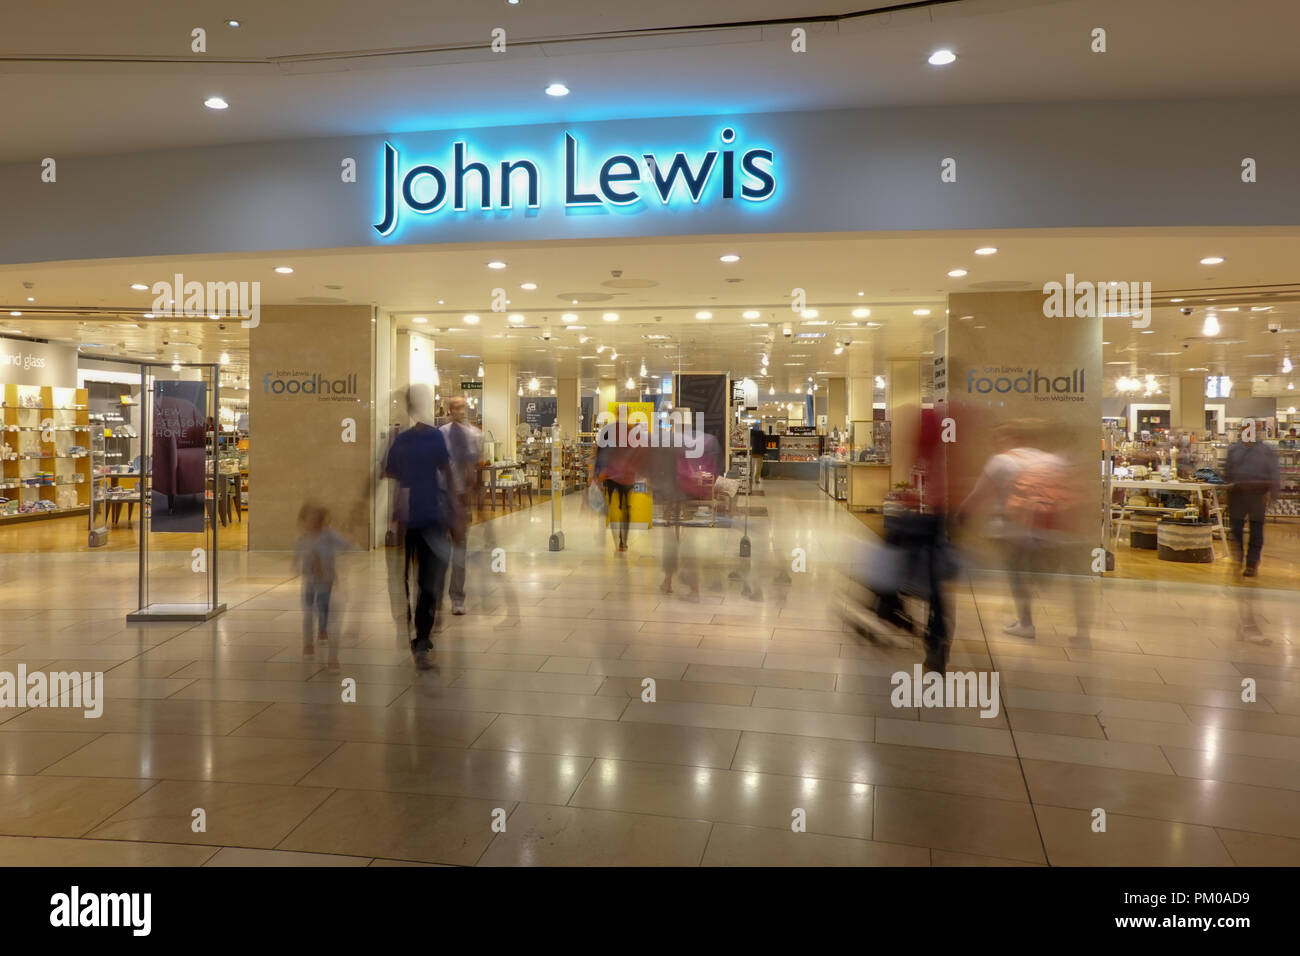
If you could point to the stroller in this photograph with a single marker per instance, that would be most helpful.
(914, 562)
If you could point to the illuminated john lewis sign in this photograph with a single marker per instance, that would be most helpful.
(621, 179)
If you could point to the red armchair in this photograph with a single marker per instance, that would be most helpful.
(179, 449)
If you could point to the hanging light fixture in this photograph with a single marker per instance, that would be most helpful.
(533, 384)
(1211, 326)
(771, 390)
(631, 383)
(480, 370)
(644, 373)
(1286, 365)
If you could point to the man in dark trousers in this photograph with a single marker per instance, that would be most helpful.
(1253, 474)
(420, 464)
(757, 448)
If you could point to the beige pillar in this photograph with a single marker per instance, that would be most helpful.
(567, 406)
(1187, 403)
(903, 409)
(837, 403)
(1008, 361)
(501, 405)
(607, 392)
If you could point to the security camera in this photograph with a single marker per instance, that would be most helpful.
(165, 342)
(221, 326)
(1187, 345)
(1186, 310)
(1275, 326)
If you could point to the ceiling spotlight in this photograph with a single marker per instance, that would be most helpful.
(496, 264)
(30, 299)
(942, 57)
(920, 311)
(568, 317)
(861, 313)
(704, 315)
(1286, 365)
(15, 314)
(631, 383)
(750, 314)
(771, 390)
(809, 314)
(613, 355)
(839, 349)
(986, 250)
(533, 384)
(284, 270)
(861, 294)
(225, 358)
(139, 287)
(644, 373)
(521, 390)
(234, 24)
(419, 319)
(729, 257)
(528, 286)
(610, 316)
(1212, 260)
(515, 318)
(1211, 326)
(470, 320)
(556, 89)
(215, 103)
(148, 315)
(956, 273)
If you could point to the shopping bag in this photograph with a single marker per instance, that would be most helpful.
(886, 570)
(596, 498)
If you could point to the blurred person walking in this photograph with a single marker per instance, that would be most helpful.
(757, 448)
(421, 466)
(314, 559)
(1253, 473)
(465, 445)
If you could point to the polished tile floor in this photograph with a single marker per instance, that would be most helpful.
(532, 743)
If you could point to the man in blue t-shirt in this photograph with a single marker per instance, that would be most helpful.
(420, 464)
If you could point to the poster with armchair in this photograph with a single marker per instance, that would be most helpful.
(178, 479)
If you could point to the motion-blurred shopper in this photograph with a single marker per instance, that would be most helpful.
(314, 559)
(757, 448)
(617, 468)
(1252, 471)
(465, 445)
(1035, 513)
(420, 464)
(916, 539)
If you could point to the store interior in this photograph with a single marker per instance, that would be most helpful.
(827, 343)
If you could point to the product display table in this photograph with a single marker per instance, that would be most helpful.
(492, 471)
(1204, 494)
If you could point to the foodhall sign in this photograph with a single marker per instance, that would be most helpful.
(465, 182)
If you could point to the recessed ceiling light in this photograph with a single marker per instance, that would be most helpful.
(30, 299)
(956, 273)
(528, 286)
(225, 358)
(568, 317)
(610, 316)
(284, 270)
(215, 103)
(470, 320)
(861, 313)
(15, 314)
(516, 318)
(1148, 332)
(861, 293)
(496, 264)
(148, 315)
(1212, 260)
(729, 257)
(139, 287)
(1175, 300)
(920, 311)
(419, 319)
(942, 57)
(704, 315)
(232, 23)
(557, 89)
(750, 314)
(986, 250)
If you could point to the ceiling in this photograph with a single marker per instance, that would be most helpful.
(662, 284)
(100, 78)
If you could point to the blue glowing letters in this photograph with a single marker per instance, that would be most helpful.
(621, 179)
